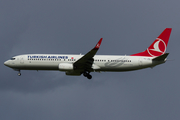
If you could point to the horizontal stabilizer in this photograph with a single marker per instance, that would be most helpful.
(161, 58)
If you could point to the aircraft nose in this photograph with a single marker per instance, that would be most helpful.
(6, 63)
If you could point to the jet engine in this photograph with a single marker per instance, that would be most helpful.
(65, 66)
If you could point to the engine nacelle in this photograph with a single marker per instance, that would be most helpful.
(65, 66)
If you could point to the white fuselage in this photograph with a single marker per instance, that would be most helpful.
(101, 62)
(90, 62)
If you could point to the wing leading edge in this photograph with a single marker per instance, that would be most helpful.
(85, 62)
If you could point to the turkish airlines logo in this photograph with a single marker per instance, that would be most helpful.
(97, 45)
(158, 48)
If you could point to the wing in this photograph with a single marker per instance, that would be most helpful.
(86, 61)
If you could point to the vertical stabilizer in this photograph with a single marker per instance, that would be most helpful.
(158, 47)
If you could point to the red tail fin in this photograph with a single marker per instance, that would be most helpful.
(158, 47)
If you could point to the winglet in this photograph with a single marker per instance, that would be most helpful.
(98, 45)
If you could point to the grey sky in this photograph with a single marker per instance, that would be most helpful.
(73, 27)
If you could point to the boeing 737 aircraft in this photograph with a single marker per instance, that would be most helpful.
(84, 64)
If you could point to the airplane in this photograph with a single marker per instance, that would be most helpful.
(75, 65)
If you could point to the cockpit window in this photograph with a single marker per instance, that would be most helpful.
(13, 58)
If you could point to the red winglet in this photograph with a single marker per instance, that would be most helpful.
(98, 44)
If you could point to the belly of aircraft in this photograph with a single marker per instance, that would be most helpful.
(39, 66)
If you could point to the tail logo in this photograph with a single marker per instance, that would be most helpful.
(158, 48)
